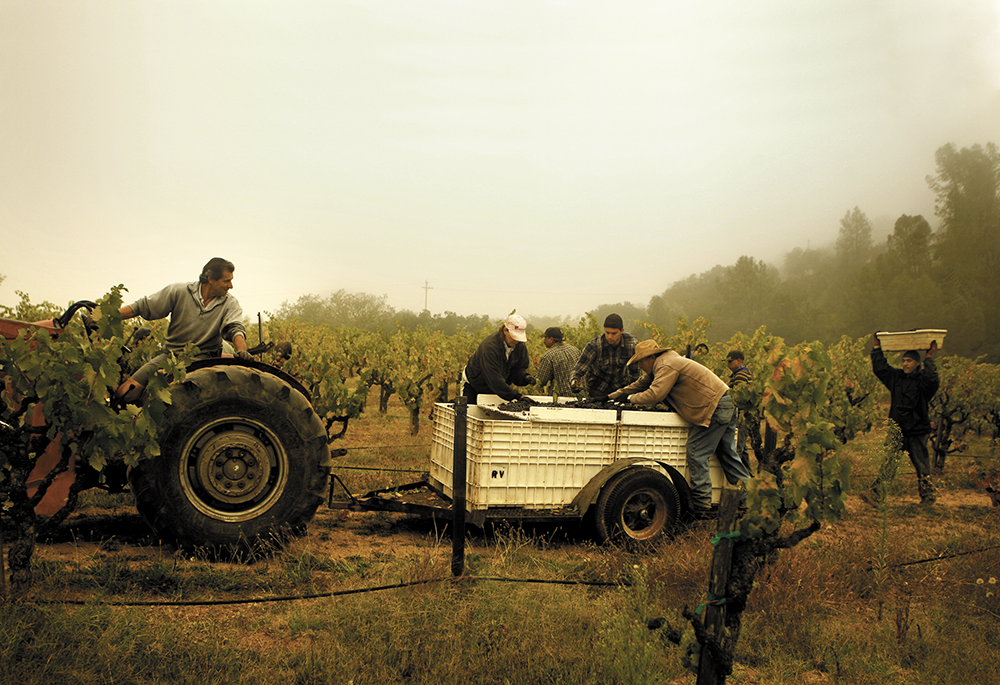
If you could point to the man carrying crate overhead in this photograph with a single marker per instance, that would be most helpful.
(911, 389)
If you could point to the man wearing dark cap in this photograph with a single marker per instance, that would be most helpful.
(557, 364)
(604, 364)
(910, 390)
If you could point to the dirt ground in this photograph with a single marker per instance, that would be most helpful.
(337, 534)
(333, 534)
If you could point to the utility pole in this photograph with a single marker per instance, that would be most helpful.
(426, 288)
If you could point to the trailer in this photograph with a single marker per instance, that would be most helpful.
(622, 471)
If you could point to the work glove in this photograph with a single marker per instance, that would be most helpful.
(244, 355)
(575, 385)
(529, 379)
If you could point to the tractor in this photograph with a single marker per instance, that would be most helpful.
(244, 455)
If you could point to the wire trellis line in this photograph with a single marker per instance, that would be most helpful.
(333, 593)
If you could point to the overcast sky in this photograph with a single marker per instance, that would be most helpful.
(543, 156)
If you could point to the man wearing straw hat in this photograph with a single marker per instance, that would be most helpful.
(701, 399)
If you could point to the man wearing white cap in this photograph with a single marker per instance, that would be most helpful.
(701, 399)
(500, 360)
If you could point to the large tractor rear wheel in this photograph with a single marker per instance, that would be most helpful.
(636, 506)
(244, 460)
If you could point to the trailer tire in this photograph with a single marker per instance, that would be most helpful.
(637, 505)
(244, 460)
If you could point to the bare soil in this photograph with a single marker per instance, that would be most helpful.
(337, 534)
(334, 534)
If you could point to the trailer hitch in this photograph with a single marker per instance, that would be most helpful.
(334, 478)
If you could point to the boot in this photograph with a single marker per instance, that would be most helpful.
(926, 491)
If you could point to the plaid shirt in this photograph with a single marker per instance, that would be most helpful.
(556, 365)
(602, 366)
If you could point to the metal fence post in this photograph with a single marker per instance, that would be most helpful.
(3, 568)
(458, 489)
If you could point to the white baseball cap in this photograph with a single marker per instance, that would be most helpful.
(517, 326)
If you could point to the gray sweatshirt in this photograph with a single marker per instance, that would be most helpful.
(190, 322)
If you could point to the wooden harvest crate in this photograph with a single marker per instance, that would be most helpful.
(911, 340)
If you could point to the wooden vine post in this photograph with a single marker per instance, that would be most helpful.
(3, 569)
(710, 670)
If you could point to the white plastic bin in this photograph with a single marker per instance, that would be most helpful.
(515, 463)
(542, 462)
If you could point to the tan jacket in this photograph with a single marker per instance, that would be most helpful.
(690, 388)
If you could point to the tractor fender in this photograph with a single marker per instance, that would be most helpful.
(588, 493)
(253, 364)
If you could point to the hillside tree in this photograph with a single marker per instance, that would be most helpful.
(909, 246)
(746, 292)
(967, 187)
(854, 241)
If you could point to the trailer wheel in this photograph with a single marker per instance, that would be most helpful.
(637, 505)
(244, 459)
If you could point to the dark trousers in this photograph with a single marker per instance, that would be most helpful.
(916, 447)
(741, 440)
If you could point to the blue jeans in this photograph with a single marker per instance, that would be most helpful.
(719, 438)
(741, 440)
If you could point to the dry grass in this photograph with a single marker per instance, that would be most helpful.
(380, 451)
(898, 595)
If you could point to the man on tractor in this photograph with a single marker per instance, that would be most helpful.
(202, 313)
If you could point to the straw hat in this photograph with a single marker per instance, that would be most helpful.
(645, 349)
